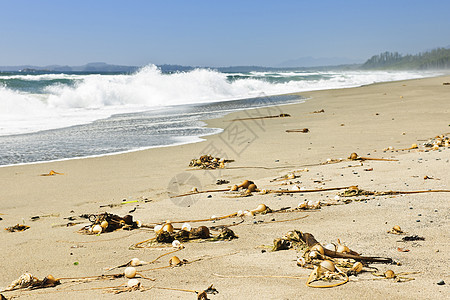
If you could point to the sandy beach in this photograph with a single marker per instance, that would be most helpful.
(364, 120)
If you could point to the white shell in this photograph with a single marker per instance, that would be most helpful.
(240, 213)
(138, 223)
(133, 283)
(337, 198)
(186, 226)
(130, 272)
(97, 229)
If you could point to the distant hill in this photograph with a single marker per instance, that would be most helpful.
(308, 62)
(436, 59)
(90, 67)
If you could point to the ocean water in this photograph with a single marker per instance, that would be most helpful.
(46, 117)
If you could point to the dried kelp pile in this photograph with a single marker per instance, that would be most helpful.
(209, 162)
(331, 264)
(17, 227)
(29, 281)
(107, 222)
(438, 142)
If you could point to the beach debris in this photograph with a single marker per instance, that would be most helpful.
(318, 111)
(354, 191)
(209, 162)
(106, 222)
(413, 238)
(35, 218)
(27, 280)
(331, 264)
(396, 230)
(305, 191)
(437, 142)
(176, 237)
(309, 204)
(327, 272)
(222, 181)
(396, 277)
(355, 156)
(201, 295)
(441, 282)
(446, 83)
(282, 115)
(51, 173)
(17, 227)
(306, 241)
(303, 130)
(402, 249)
(245, 189)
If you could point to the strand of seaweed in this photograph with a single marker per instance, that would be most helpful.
(259, 276)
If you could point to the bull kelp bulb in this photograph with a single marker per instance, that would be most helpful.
(260, 208)
(357, 267)
(331, 247)
(186, 226)
(389, 274)
(97, 229)
(133, 283)
(135, 262)
(168, 226)
(174, 261)
(104, 224)
(158, 228)
(327, 265)
(176, 244)
(130, 272)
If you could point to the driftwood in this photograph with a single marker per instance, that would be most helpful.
(263, 117)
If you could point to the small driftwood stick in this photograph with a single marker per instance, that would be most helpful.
(200, 192)
(264, 117)
(304, 130)
(355, 156)
(308, 191)
(416, 192)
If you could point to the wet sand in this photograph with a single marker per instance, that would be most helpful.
(364, 120)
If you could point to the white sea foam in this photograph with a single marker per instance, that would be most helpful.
(93, 97)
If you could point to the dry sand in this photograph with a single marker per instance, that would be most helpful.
(364, 120)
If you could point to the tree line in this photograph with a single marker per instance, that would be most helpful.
(435, 59)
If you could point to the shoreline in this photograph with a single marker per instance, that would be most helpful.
(375, 117)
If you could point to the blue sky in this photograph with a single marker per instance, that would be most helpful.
(215, 33)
